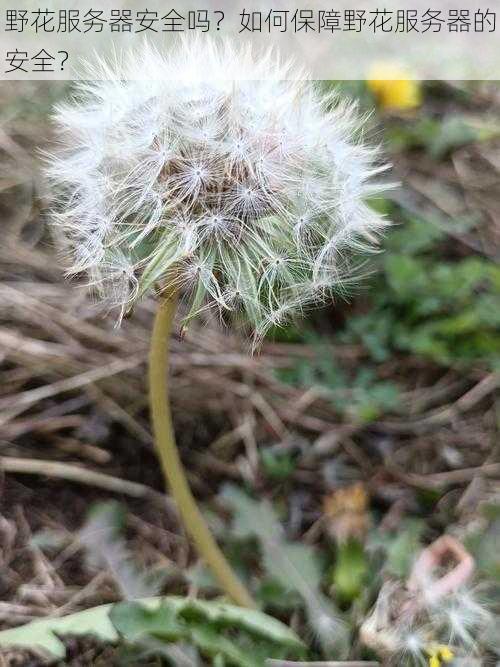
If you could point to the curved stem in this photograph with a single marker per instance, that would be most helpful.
(171, 463)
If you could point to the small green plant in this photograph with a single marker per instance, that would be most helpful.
(439, 137)
(296, 568)
(357, 394)
(443, 310)
(227, 634)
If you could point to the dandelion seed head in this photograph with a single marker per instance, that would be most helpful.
(221, 174)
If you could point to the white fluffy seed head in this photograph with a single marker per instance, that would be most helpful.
(220, 175)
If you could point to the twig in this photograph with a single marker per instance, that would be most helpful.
(269, 414)
(41, 425)
(28, 611)
(80, 475)
(440, 479)
(14, 405)
(449, 413)
(90, 589)
(120, 414)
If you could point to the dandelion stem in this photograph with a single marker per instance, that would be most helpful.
(171, 463)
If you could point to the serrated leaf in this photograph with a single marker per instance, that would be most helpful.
(294, 565)
(133, 620)
(212, 643)
(250, 518)
(171, 619)
(40, 635)
(203, 624)
(251, 620)
(173, 616)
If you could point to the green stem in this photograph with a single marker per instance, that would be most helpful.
(171, 463)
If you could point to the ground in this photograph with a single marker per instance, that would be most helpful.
(390, 396)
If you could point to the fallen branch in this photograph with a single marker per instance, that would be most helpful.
(15, 404)
(447, 414)
(80, 475)
(438, 480)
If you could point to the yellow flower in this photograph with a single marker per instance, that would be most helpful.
(439, 654)
(446, 653)
(393, 88)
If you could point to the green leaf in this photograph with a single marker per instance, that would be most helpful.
(170, 619)
(484, 544)
(133, 620)
(416, 235)
(296, 566)
(452, 133)
(278, 466)
(110, 513)
(251, 620)
(40, 635)
(439, 136)
(350, 570)
(271, 593)
(212, 643)
(400, 548)
(204, 624)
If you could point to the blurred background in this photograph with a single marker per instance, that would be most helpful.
(371, 428)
